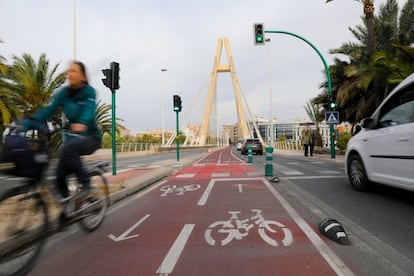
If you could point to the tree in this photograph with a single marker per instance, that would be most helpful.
(34, 82)
(370, 23)
(104, 118)
(361, 83)
(9, 99)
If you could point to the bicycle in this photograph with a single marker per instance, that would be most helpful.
(28, 215)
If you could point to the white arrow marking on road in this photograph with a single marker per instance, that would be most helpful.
(124, 236)
(240, 187)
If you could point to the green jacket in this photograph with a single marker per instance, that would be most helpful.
(78, 108)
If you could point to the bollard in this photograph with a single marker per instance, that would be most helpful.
(269, 162)
(249, 154)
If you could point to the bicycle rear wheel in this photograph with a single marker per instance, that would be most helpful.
(24, 227)
(96, 204)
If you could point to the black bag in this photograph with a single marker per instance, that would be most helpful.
(27, 151)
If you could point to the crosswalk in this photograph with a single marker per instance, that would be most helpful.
(293, 170)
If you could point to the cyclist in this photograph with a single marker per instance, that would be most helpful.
(78, 102)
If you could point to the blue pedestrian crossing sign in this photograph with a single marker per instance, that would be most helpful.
(332, 117)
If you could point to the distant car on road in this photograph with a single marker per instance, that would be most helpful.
(239, 144)
(383, 150)
(255, 144)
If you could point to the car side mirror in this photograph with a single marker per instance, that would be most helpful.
(367, 123)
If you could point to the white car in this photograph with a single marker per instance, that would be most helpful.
(239, 144)
(383, 150)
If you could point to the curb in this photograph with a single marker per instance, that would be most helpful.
(138, 183)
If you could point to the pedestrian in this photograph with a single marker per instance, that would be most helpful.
(78, 102)
(306, 141)
(312, 142)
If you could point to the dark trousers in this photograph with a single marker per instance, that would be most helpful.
(70, 161)
(309, 148)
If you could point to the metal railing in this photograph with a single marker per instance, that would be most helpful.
(131, 147)
(289, 145)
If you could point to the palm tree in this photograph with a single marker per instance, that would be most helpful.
(9, 99)
(370, 23)
(362, 83)
(104, 118)
(34, 82)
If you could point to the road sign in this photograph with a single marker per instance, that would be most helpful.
(332, 117)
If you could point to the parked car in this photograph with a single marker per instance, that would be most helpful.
(239, 144)
(255, 144)
(383, 149)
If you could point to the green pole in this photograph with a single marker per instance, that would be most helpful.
(113, 134)
(328, 76)
(177, 140)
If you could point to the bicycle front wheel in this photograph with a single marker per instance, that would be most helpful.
(98, 202)
(24, 227)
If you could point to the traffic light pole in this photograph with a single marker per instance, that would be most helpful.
(328, 76)
(177, 131)
(113, 134)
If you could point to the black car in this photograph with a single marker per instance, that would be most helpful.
(255, 144)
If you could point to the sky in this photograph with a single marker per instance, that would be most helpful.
(145, 36)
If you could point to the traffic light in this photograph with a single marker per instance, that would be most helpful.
(115, 75)
(177, 103)
(332, 104)
(107, 81)
(258, 29)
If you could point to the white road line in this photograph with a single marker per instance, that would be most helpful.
(292, 172)
(185, 175)
(312, 177)
(330, 257)
(206, 193)
(329, 172)
(220, 174)
(324, 250)
(169, 262)
(287, 171)
(219, 159)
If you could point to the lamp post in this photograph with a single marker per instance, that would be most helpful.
(74, 29)
(163, 108)
(270, 95)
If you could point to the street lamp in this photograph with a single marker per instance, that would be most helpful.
(74, 29)
(163, 108)
(270, 94)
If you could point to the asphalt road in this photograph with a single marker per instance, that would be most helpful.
(218, 216)
(380, 223)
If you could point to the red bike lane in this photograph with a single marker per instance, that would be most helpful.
(218, 216)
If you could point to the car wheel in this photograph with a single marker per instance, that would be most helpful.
(356, 173)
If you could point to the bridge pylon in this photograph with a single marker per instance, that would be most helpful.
(220, 68)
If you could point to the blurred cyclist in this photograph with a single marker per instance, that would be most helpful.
(83, 137)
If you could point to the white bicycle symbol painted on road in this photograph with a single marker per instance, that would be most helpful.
(236, 228)
(178, 190)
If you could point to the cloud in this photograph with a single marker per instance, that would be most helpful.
(145, 36)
